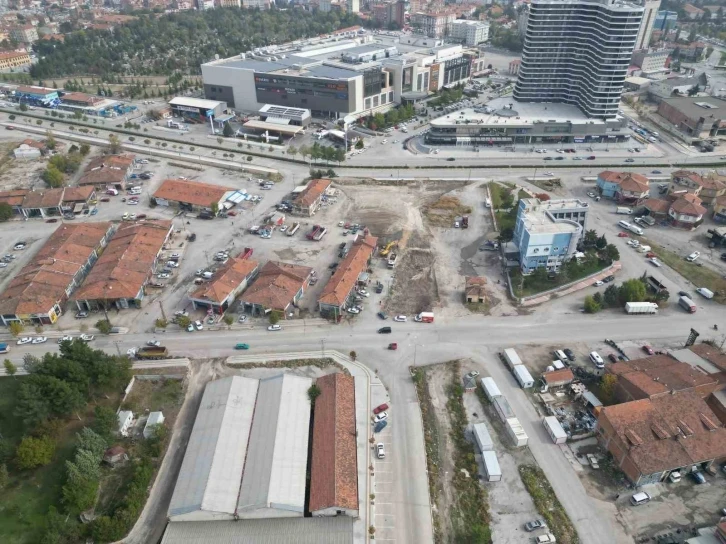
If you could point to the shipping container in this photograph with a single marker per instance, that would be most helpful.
(503, 409)
(483, 439)
(641, 308)
(555, 430)
(523, 376)
(516, 432)
(491, 466)
(511, 358)
(490, 388)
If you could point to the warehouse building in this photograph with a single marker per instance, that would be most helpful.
(191, 195)
(197, 109)
(247, 454)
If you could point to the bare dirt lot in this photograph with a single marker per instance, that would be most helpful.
(18, 174)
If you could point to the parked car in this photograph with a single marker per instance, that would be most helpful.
(39, 340)
(24, 340)
(380, 426)
(609, 279)
(698, 477)
(596, 359)
(612, 358)
(380, 451)
(598, 283)
(648, 349)
(382, 315)
(380, 408)
(87, 337)
(242, 318)
(66, 338)
(380, 417)
(81, 315)
(154, 343)
(400, 318)
(674, 477)
(198, 325)
(534, 525)
(190, 328)
(569, 353)
(274, 328)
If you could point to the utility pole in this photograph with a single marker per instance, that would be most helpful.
(322, 343)
(163, 313)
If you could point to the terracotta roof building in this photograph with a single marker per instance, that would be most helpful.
(657, 206)
(650, 438)
(13, 59)
(36, 295)
(334, 463)
(686, 212)
(341, 285)
(110, 171)
(558, 378)
(707, 187)
(228, 282)
(119, 277)
(14, 199)
(625, 187)
(277, 287)
(47, 203)
(308, 201)
(190, 195)
(475, 289)
(659, 375)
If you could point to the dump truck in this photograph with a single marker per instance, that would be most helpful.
(292, 230)
(313, 232)
(641, 308)
(152, 352)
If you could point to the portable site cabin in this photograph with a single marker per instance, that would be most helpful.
(491, 391)
(491, 466)
(483, 439)
(504, 410)
(555, 430)
(512, 358)
(516, 432)
(523, 376)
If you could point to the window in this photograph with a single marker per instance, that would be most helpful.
(556, 248)
(536, 250)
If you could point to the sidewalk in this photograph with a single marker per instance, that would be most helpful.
(364, 381)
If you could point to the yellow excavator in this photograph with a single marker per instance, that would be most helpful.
(388, 247)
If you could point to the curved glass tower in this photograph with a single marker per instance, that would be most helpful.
(578, 52)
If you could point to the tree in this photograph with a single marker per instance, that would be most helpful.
(10, 368)
(274, 317)
(105, 422)
(52, 176)
(612, 253)
(313, 393)
(16, 327)
(214, 207)
(353, 355)
(50, 142)
(90, 441)
(632, 290)
(34, 452)
(228, 320)
(359, 144)
(6, 211)
(591, 307)
(23, 107)
(220, 140)
(114, 144)
(590, 238)
(183, 321)
(104, 326)
(607, 387)
(601, 242)
(612, 296)
(228, 131)
(598, 298)
(4, 476)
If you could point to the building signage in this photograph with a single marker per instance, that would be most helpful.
(187, 108)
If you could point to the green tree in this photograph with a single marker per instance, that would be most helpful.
(274, 317)
(353, 355)
(313, 393)
(16, 327)
(228, 320)
(183, 321)
(104, 326)
(34, 452)
(85, 149)
(612, 296)
(632, 290)
(105, 422)
(598, 298)
(50, 142)
(6, 211)
(612, 253)
(10, 368)
(23, 107)
(591, 307)
(359, 144)
(601, 242)
(4, 476)
(114, 144)
(228, 131)
(607, 388)
(92, 442)
(590, 238)
(52, 176)
(214, 206)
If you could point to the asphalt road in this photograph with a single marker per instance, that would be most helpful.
(423, 344)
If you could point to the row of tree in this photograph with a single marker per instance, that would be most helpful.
(615, 296)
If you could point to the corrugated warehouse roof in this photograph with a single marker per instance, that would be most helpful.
(273, 482)
(332, 530)
(210, 475)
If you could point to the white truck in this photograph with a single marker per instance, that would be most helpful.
(641, 308)
(623, 210)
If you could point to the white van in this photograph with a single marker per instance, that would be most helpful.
(560, 355)
(639, 498)
(597, 360)
(624, 224)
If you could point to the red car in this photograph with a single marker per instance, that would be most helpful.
(105, 199)
(381, 408)
(622, 234)
(649, 255)
(648, 349)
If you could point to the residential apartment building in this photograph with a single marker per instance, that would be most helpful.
(707, 187)
(469, 33)
(665, 20)
(26, 34)
(578, 53)
(13, 59)
(433, 25)
(388, 13)
(651, 62)
(650, 12)
(546, 234)
(624, 187)
(38, 293)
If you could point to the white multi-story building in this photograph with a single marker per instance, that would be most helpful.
(353, 6)
(470, 32)
(578, 52)
(433, 25)
(646, 26)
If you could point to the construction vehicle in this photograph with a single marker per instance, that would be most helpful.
(152, 352)
(387, 248)
(392, 260)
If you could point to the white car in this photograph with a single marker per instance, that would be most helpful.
(242, 318)
(597, 360)
(163, 276)
(380, 451)
(20, 246)
(655, 262)
(364, 293)
(175, 255)
(65, 338)
(3, 265)
(172, 264)
(381, 417)
(353, 310)
(40, 340)
(198, 325)
(181, 313)
(190, 328)
(154, 343)
(24, 340)
(131, 352)
(274, 328)
(87, 337)
(400, 318)
(693, 256)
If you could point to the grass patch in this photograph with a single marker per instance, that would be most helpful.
(470, 515)
(431, 441)
(445, 210)
(479, 307)
(294, 363)
(532, 284)
(547, 504)
(699, 276)
(497, 191)
(154, 395)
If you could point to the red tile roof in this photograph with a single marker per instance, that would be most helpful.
(126, 263)
(657, 205)
(686, 206)
(711, 354)
(13, 198)
(628, 181)
(667, 432)
(228, 278)
(106, 169)
(277, 284)
(341, 283)
(43, 281)
(555, 377)
(312, 192)
(191, 192)
(334, 468)
(49, 198)
(659, 374)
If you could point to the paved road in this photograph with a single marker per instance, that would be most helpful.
(430, 343)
